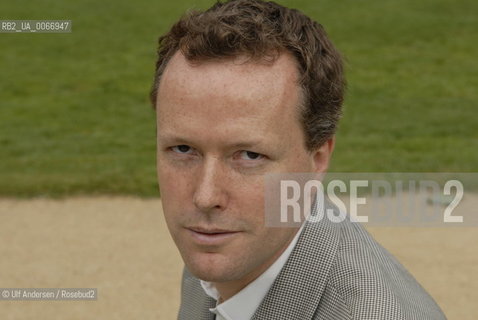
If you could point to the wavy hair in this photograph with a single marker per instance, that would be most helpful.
(262, 30)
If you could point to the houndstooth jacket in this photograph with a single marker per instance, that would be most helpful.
(336, 271)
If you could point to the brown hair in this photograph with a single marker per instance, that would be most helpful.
(261, 30)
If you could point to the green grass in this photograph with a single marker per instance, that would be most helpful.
(75, 116)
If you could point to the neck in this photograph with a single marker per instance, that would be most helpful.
(228, 289)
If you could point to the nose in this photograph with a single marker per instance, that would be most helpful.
(210, 192)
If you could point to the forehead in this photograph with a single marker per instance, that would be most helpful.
(229, 93)
(235, 77)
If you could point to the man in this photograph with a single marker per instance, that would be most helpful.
(241, 90)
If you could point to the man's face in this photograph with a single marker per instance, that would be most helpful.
(222, 125)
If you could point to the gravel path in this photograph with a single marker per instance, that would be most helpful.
(122, 247)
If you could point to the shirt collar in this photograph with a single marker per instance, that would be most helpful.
(244, 303)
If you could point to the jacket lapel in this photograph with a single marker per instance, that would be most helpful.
(195, 304)
(298, 289)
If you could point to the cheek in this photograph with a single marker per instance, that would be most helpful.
(171, 180)
(173, 189)
(249, 199)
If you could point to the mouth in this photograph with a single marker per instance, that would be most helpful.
(213, 236)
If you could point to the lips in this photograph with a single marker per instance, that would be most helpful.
(210, 230)
(211, 236)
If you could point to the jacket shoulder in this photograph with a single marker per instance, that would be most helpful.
(370, 283)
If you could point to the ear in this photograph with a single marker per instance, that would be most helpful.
(321, 156)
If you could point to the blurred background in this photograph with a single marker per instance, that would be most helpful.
(75, 116)
(78, 185)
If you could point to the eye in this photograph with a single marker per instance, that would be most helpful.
(249, 155)
(182, 149)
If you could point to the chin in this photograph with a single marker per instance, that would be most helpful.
(212, 268)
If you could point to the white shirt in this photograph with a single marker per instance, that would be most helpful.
(243, 304)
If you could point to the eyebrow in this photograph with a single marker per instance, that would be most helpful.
(244, 144)
(170, 138)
